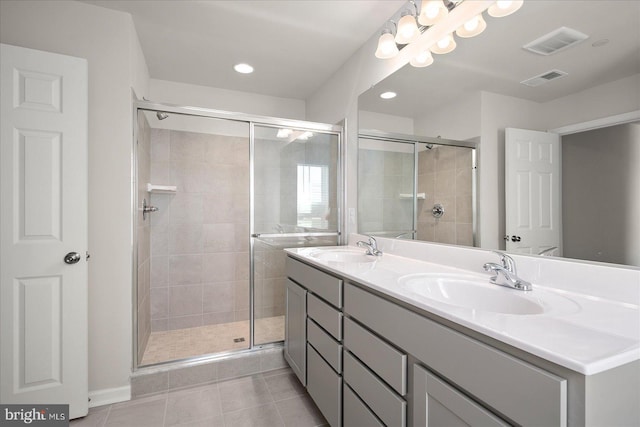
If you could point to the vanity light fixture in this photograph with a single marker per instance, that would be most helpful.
(387, 47)
(444, 45)
(243, 68)
(408, 30)
(472, 27)
(423, 59)
(504, 7)
(433, 13)
(388, 95)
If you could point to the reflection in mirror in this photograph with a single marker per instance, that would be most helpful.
(386, 179)
(480, 89)
(408, 189)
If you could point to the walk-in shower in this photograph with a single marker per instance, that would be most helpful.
(231, 192)
(413, 187)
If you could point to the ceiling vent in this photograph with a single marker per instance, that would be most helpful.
(556, 41)
(543, 78)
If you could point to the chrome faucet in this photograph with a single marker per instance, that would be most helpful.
(506, 273)
(372, 246)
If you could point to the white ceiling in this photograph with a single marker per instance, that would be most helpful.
(294, 45)
(495, 61)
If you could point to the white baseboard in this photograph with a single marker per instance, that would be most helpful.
(109, 395)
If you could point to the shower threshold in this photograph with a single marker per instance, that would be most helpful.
(165, 346)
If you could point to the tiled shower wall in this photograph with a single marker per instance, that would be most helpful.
(144, 252)
(445, 176)
(200, 235)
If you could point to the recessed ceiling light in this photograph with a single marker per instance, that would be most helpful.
(388, 95)
(243, 68)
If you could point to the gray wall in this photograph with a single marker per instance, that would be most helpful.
(601, 195)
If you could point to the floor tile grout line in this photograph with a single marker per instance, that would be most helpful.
(104, 422)
(279, 414)
(166, 405)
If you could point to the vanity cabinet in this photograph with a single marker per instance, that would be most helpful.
(318, 334)
(522, 393)
(372, 360)
(436, 403)
(295, 330)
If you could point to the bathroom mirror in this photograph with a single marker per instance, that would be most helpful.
(416, 187)
(475, 92)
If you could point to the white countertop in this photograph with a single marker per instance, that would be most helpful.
(585, 333)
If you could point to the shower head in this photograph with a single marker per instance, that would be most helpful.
(428, 146)
(161, 115)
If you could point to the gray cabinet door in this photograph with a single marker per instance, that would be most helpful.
(437, 404)
(295, 332)
(324, 387)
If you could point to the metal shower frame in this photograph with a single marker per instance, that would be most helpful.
(252, 120)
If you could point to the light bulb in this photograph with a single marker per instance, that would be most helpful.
(432, 12)
(407, 29)
(305, 136)
(243, 68)
(423, 59)
(386, 46)
(388, 95)
(472, 27)
(504, 7)
(444, 45)
(284, 133)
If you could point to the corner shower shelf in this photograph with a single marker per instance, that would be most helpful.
(419, 196)
(161, 189)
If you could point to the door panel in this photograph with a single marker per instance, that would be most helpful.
(295, 183)
(43, 183)
(532, 197)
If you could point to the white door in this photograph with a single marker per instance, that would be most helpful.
(532, 195)
(43, 217)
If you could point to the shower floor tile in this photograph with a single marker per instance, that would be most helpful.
(184, 343)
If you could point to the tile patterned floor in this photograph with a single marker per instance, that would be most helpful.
(184, 343)
(269, 399)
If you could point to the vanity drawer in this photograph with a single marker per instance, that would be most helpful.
(316, 281)
(324, 387)
(383, 359)
(356, 412)
(329, 349)
(382, 400)
(519, 390)
(325, 315)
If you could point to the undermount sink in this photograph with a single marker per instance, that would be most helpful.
(342, 255)
(469, 292)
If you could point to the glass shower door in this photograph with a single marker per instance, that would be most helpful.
(295, 204)
(386, 188)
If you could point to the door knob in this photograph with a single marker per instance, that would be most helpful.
(72, 257)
